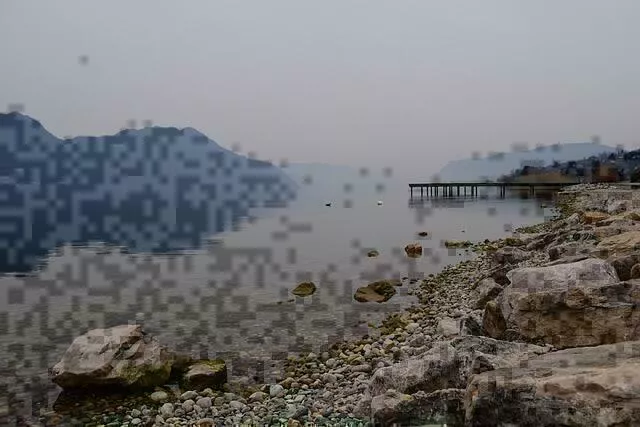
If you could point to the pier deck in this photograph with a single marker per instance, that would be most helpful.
(453, 189)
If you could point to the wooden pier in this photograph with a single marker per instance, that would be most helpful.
(458, 189)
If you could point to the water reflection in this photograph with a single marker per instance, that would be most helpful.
(151, 190)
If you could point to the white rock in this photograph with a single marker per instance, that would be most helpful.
(276, 390)
(166, 410)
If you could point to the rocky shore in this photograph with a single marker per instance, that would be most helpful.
(541, 328)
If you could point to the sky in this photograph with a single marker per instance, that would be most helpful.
(408, 84)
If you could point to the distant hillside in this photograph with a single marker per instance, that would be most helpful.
(157, 188)
(499, 164)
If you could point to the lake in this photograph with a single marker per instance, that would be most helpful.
(231, 297)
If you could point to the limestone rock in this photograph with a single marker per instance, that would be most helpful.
(448, 327)
(569, 305)
(582, 386)
(568, 249)
(122, 356)
(510, 255)
(486, 291)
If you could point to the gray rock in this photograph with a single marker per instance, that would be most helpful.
(121, 356)
(417, 341)
(448, 327)
(486, 291)
(187, 405)
(204, 402)
(510, 255)
(569, 249)
(552, 389)
(276, 390)
(166, 410)
(258, 396)
(189, 395)
(159, 396)
(237, 406)
(411, 327)
(471, 324)
(436, 408)
(569, 305)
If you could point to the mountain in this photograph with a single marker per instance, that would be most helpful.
(151, 189)
(499, 164)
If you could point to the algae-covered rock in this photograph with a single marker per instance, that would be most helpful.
(379, 291)
(122, 356)
(457, 244)
(205, 374)
(304, 289)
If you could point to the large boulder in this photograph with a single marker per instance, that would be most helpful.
(487, 290)
(622, 243)
(439, 407)
(582, 386)
(448, 365)
(510, 255)
(122, 356)
(623, 264)
(569, 249)
(567, 305)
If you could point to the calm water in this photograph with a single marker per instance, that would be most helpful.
(221, 299)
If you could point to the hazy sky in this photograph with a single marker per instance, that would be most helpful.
(407, 84)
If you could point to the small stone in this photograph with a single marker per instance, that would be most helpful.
(159, 396)
(189, 395)
(187, 405)
(166, 410)
(411, 327)
(159, 420)
(136, 421)
(219, 401)
(331, 363)
(276, 391)
(258, 396)
(235, 405)
(204, 402)
(287, 382)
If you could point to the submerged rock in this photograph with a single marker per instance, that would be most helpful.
(413, 249)
(379, 291)
(122, 356)
(304, 289)
(457, 244)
